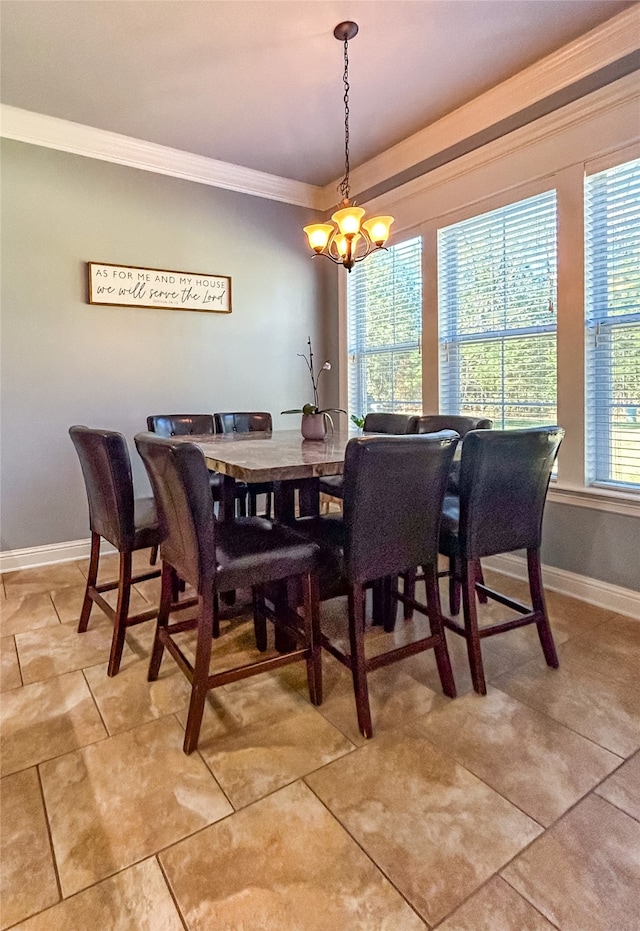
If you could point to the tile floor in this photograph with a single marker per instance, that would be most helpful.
(519, 811)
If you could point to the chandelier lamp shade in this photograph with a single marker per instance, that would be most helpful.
(349, 238)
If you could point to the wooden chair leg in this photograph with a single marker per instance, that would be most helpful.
(167, 591)
(122, 613)
(441, 651)
(259, 617)
(383, 615)
(200, 685)
(454, 586)
(312, 636)
(482, 598)
(92, 576)
(540, 607)
(358, 660)
(153, 557)
(268, 505)
(471, 626)
(253, 503)
(409, 589)
(389, 606)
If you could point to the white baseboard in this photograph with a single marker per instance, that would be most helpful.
(603, 594)
(33, 556)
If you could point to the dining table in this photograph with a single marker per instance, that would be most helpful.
(283, 457)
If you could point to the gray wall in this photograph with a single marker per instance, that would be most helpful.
(65, 361)
(596, 544)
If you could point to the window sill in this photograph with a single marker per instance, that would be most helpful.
(598, 499)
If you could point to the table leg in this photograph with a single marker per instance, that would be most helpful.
(309, 497)
(227, 498)
(284, 504)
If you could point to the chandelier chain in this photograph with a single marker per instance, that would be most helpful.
(344, 186)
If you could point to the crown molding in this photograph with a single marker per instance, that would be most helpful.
(54, 133)
(602, 46)
(607, 99)
(598, 48)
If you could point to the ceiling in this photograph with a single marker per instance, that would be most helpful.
(259, 84)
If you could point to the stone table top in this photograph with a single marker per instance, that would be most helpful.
(273, 457)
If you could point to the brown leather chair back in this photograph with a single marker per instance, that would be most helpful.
(431, 423)
(504, 477)
(393, 424)
(106, 467)
(243, 422)
(180, 482)
(181, 424)
(393, 492)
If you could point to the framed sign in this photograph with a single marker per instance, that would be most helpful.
(128, 286)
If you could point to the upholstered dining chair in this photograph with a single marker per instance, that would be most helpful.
(216, 556)
(114, 515)
(365, 544)
(168, 425)
(249, 422)
(504, 477)
(431, 423)
(374, 422)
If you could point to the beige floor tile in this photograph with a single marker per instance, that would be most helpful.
(43, 720)
(435, 830)
(282, 863)
(140, 638)
(127, 700)
(10, 677)
(253, 760)
(109, 566)
(137, 899)
(569, 615)
(539, 765)
(68, 604)
(583, 873)
(424, 669)
(613, 648)
(26, 612)
(261, 698)
(604, 710)
(52, 651)
(394, 697)
(28, 879)
(496, 907)
(41, 579)
(123, 799)
(574, 616)
(150, 590)
(622, 788)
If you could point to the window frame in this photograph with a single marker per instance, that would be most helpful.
(383, 349)
(450, 384)
(571, 486)
(598, 453)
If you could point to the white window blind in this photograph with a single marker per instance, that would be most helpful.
(384, 310)
(497, 278)
(612, 254)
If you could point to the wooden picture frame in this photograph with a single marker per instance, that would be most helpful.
(131, 286)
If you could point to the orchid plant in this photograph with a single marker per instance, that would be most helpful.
(315, 381)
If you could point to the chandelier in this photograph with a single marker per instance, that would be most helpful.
(350, 238)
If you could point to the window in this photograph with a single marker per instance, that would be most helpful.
(497, 314)
(612, 243)
(384, 308)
